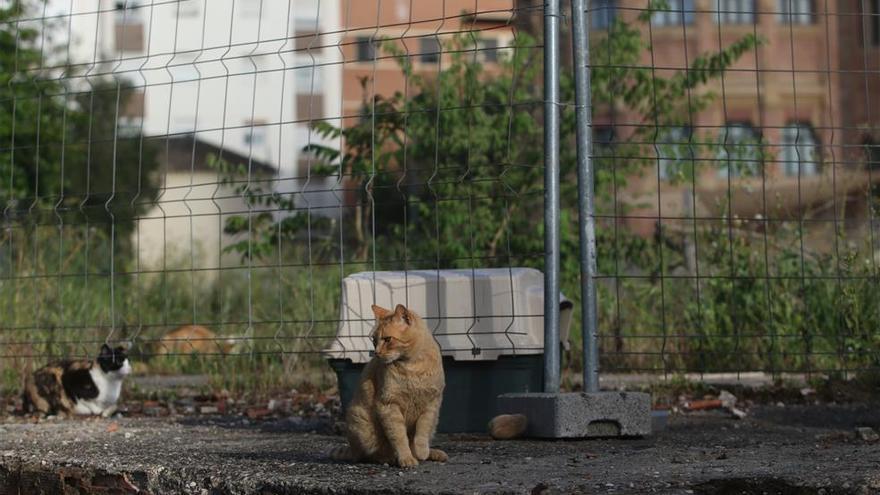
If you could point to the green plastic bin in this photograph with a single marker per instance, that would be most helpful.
(488, 323)
(472, 387)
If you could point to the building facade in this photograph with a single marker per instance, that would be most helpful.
(800, 105)
(419, 29)
(248, 80)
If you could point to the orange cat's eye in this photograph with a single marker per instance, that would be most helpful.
(386, 340)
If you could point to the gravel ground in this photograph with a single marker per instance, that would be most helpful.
(790, 449)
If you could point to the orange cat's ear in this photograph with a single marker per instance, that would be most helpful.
(380, 312)
(401, 312)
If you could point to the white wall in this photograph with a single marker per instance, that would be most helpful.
(210, 65)
(186, 225)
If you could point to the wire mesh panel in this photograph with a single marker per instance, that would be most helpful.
(198, 179)
(735, 150)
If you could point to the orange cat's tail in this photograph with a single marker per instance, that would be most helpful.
(508, 426)
(342, 454)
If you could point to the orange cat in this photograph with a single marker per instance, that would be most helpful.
(194, 339)
(394, 412)
(508, 426)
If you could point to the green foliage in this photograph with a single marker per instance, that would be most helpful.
(663, 100)
(62, 158)
(756, 306)
(259, 232)
(448, 173)
(453, 165)
(281, 314)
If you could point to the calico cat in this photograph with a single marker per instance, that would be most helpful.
(394, 412)
(78, 387)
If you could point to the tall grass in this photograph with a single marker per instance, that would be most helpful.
(754, 303)
(59, 300)
(755, 306)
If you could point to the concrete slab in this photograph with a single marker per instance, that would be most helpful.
(793, 449)
(581, 415)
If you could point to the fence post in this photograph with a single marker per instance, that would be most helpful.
(586, 222)
(551, 196)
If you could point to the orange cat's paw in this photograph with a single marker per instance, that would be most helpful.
(407, 461)
(420, 450)
(437, 455)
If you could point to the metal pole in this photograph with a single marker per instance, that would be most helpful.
(551, 196)
(586, 219)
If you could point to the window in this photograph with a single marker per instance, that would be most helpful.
(366, 49)
(309, 80)
(306, 40)
(133, 103)
(734, 11)
(675, 151)
(875, 22)
(430, 50)
(255, 135)
(738, 150)
(128, 12)
(795, 11)
(872, 154)
(679, 12)
(799, 151)
(309, 106)
(488, 49)
(129, 37)
(603, 13)
(603, 141)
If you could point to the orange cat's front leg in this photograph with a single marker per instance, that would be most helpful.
(424, 431)
(394, 426)
(425, 426)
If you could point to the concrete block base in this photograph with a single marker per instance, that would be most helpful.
(581, 415)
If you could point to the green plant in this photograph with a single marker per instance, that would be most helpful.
(447, 173)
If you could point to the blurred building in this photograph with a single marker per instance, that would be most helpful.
(245, 81)
(422, 32)
(807, 97)
(418, 29)
(239, 81)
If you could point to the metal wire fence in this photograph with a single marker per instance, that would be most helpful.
(231, 165)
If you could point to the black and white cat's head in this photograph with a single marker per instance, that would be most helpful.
(114, 360)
